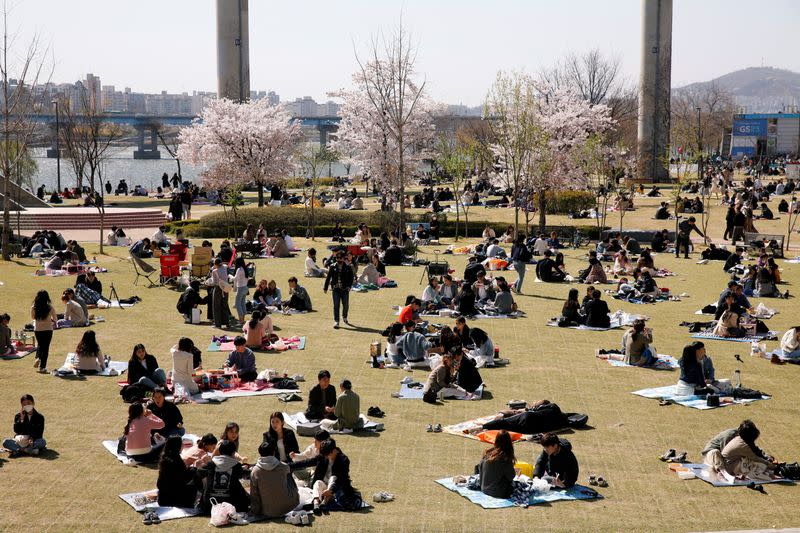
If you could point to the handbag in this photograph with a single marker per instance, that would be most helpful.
(221, 513)
(195, 315)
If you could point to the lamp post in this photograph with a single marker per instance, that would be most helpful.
(58, 152)
(699, 148)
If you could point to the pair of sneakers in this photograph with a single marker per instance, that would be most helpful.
(299, 518)
(150, 518)
(336, 323)
(433, 428)
(382, 497)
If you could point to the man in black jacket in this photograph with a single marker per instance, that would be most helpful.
(733, 259)
(685, 228)
(28, 430)
(597, 312)
(546, 269)
(321, 398)
(340, 279)
(556, 464)
(472, 269)
(332, 485)
(393, 255)
(190, 299)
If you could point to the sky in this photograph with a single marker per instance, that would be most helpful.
(308, 47)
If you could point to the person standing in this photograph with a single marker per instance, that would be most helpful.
(44, 321)
(520, 255)
(340, 279)
(682, 238)
(219, 293)
(165, 181)
(240, 285)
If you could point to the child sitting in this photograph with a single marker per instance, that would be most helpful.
(200, 454)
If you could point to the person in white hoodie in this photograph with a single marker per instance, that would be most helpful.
(273, 491)
(310, 452)
(790, 343)
(183, 365)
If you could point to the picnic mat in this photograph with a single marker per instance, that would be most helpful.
(148, 501)
(114, 368)
(762, 311)
(292, 420)
(409, 393)
(708, 335)
(470, 428)
(695, 402)
(578, 492)
(619, 319)
(723, 479)
(664, 362)
(21, 352)
(286, 343)
(659, 298)
(515, 314)
(779, 352)
(244, 390)
(111, 445)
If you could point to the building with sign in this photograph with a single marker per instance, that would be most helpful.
(765, 134)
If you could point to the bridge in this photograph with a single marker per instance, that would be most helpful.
(147, 127)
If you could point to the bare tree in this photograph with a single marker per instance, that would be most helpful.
(24, 67)
(87, 139)
(313, 159)
(170, 140)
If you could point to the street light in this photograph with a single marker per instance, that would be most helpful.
(58, 151)
(699, 148)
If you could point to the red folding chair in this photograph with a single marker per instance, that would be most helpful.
(180, 250)
(170, 267)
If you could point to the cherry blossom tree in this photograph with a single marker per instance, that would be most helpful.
(386, 122)
(241, 143)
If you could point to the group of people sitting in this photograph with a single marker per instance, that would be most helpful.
(592, 311)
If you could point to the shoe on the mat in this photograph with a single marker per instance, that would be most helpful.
(669, 454)
(437, 428)
(237, 519)
(407, 368)
(382, 497)
(406, 380)
(299, 377)
(389, 365)
(113, 372)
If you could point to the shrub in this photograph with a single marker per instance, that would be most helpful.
(299, 183)
(565, 202)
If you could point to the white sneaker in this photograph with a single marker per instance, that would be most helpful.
(407, 368)
(113, 372)
(389, 365)
(306, 519)
(293, 518)
(237, 519)
(406, 380)
(335, 325)
(299, 377)
(382, 497)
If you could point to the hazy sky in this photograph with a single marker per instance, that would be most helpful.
(306, 47)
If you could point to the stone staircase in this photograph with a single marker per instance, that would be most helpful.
(85, 218)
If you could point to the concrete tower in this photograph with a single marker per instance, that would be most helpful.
(233, 50)
(654, 90)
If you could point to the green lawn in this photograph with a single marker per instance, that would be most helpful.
(77, 489)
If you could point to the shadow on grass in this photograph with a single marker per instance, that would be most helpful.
(49, 454)
(363, 329)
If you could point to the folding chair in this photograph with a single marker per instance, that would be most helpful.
(435, 268)
(170, 267)
(143, 270)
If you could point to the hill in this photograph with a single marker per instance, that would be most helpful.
(760, 89)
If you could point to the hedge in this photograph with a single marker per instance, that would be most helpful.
(294, 220)
(566, 202)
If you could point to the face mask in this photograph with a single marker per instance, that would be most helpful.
(28, 408)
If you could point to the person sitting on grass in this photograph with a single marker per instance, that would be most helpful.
(168, 412)
(347, 410)
(332, 487)
(222, 480)
(547, 271)
(571, 310)
(413, 348)
(697, 371)
(742, 458)
(412, 308)
(230, 434)
(74, 316)
(143, 369)
(636, 349)
(28, 430)
(467, 376)
(201, 452)
(312, 270)
(483, 351)
(790, 343)
(243, 360)
(503, 300)
(183, 365)
(597, 312)
(556, 464)
(90, 358)
(137, 441)
(190, 299)
(255, 331)
(496, 469)
(440, 379)
(728, 318)
(465, 301)
(6, 346)
(272, 295)
(299, 300)
(712, 451)
(284, 438)
(273, 491)
(321, 398)
(176, 481)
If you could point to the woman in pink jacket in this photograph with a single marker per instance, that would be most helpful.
(137, 442)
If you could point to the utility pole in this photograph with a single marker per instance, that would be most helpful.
(58, 151)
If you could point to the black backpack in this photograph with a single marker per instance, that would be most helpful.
(133, 393)
(789, 471)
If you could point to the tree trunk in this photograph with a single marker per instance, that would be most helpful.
(457, 218)
(311, 218)
(542, 210)
(180, 176)
(260, 194)
(7, 218)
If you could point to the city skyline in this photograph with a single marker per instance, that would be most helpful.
(313, 54)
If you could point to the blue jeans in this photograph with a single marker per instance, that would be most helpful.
(399, 359)
(159, 381)
(340, 296)
(519, 266)
(240, 303)
(12, 446)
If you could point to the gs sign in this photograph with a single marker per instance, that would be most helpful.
(750, 128)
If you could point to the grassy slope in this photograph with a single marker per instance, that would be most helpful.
(77, 491)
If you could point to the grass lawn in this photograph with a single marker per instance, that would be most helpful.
(76, 487)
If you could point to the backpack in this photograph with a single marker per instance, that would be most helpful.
(525, 254)
(132, 393)
(789, 471)
(743, 393)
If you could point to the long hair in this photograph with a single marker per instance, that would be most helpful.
(171, 454)
(88, 344)
(272, 433)
(41, 305)
(135, 410)
(573, 295)
(229, 426)
(136, 348)
(689, 357)
(395, 331)
(239, 263)
(503, 449)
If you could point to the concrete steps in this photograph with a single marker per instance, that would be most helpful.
(82, 218)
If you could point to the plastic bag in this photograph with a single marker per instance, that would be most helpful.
(758, 349)
(221, 513)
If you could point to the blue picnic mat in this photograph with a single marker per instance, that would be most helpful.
(664, 362)
(578, 492)
(782, 357)
(407, 393)
(695, 402)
